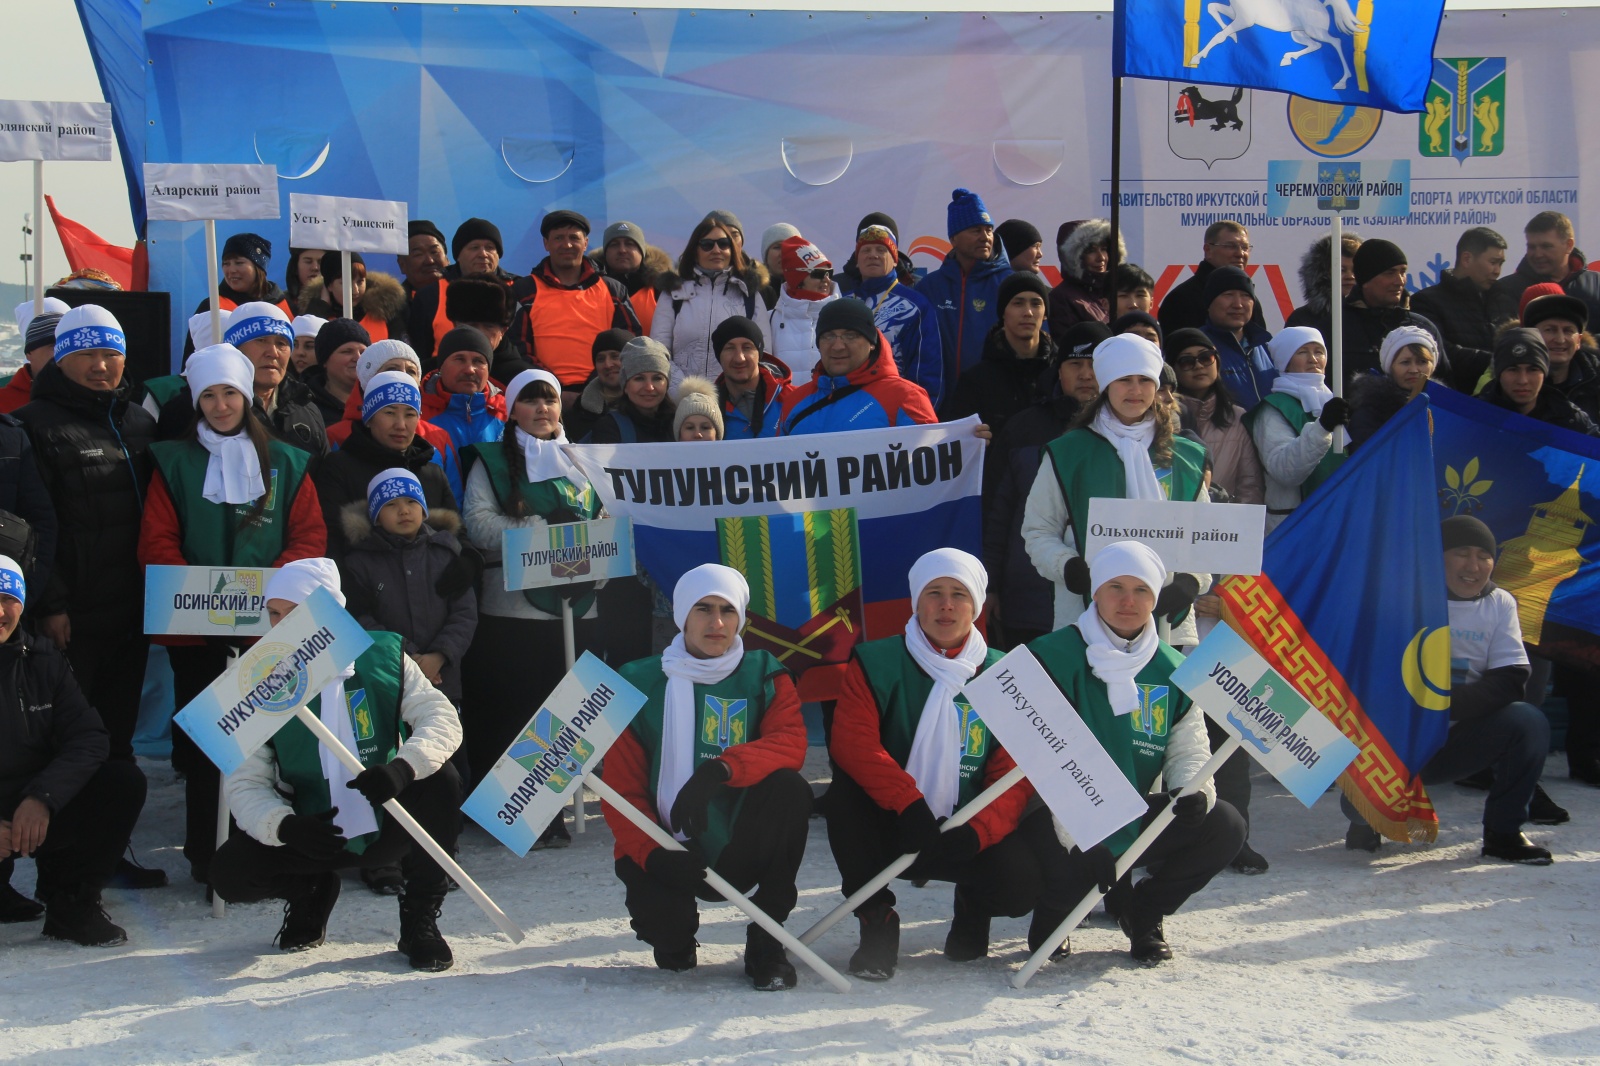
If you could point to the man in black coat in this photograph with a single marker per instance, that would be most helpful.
(1376, 307)
(61, 800)
(1226, 243)
(1466, 305)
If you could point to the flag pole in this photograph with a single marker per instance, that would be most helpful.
(347, 286)
(211, 279)
(1336, 319)
(38, 237)
(1128, 861)
(1116, 197)
(219, 906)
(569, 646)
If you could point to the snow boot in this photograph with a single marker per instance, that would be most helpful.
(1362, 837)
(129, 874)
(1514, 847)
(384, 880)
(420, 940)
(305, 918)
(680, 960)
(968, 938)
(15, 907)
(765, 962)
(1146, 938)
(1045, 922)
(78, 916)
(1249, 861)
(1542, 810)
(875, 959)
(555, 835)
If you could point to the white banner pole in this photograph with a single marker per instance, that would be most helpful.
(569, 645)
(894, 869)
(1336, 320)
(419, 834)
(219, 906)
(347, 287)
(647, 825)
(38, 237)
(1128, 861)
(211, 279)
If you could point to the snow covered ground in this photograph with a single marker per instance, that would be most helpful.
(1422, 955)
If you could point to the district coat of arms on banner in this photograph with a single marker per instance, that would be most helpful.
(1466, 109)
(1209, 122)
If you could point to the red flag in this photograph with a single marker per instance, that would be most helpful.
(87, 249)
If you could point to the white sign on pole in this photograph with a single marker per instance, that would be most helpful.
(1072, 773)
(544, 555)
(206, 601)
(347, 224)
(1190, 538)
(41, 129)
(194, 192)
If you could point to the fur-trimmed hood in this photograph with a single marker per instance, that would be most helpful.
(1316, 272)
(656, 262)
(443, 526)
(754, 280)
(384, 296)
(1085, 236)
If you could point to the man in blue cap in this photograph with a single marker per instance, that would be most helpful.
(965, 290)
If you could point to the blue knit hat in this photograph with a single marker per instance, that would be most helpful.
(89, 327)
(11, 583)
(966, 210)
(395, 483)
(389, 388)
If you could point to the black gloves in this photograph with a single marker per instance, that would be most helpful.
(1076, 575)
(959, 844)
(314, 836)
(1335, 413)
(680, 870)
(1177, 597)
(461, 574)
(1100, 865)
(1187, 811)
(916, 829)
(382, 783)
(689, 809)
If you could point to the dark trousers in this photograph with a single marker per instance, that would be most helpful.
(194, 668)
(764, 851)
(512, 665)
(110, 671)
(1583, 715)
(625, 615)
(1179, 863)
(1232, 781)
(1512, 742)
(1005, 878)
(88, 835)
(244, 870)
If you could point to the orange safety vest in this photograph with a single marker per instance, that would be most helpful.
(441, 321)
(564, 323)
(230, 304)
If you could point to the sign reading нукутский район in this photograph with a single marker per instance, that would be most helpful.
(566, 738)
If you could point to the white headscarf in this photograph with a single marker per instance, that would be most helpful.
(1115, 661)
(200, 328)
(679, 722)
(233, 468)
(294, 582)
(935, 758)
(1129, 355)
(1310, 389)
(542, 459)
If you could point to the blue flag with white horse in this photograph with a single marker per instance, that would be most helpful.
(1368, 53)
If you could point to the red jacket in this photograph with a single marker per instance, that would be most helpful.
(781, 745)
(872, 396)
(339, 432)
(857, 747)
(17, 391)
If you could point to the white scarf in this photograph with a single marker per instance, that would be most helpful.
(356, 816)
(935, 759)
(1133, 448)
(1115, 661)
(1310, 389)
(545, 459)
(233, 472)
(679, 724)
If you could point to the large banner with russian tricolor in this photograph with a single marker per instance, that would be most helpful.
(543, 768)
(255, 698)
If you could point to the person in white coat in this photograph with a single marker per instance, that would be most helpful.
(1293, 427)
(714, 280)
(305, 817)
(807, 288)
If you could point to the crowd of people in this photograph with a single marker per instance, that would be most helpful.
(382, 456)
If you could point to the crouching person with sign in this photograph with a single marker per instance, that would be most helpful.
(62, 801)
(404, 731)
(1118, 675)
(909, 751)
(715, 753)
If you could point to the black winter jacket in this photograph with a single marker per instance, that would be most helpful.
(1374, 399)
(1364, 330)
(1582, 386)
(999, 387)
(23, 493)
(93, 453)
(1467, 316)
(51, 740)
(1184, 306)
(1551, 408)
(344, 475)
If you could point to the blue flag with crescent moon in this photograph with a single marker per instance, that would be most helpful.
(1367, 53)
(1350, 607)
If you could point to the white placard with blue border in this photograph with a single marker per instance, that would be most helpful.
(206, 601)
(540, 555)
(245, 706)
(1373, 188)
(1281, 730)
(568, 736)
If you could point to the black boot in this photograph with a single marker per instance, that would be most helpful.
(305, 918)
(1146, 939)
(879, 952)
(129, 874)
(677, 961)
(1249, 861)
(420, 940)
(765, 962)
(1045, 922)
(15, 907)
(384, 880)
(968, 938)
(1362, 837)
(1514, 847)
(555, 835)
(78, 916)
(1542, 810)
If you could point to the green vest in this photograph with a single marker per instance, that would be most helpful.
(164, 388)
(900, 688)
(1137, 741)
(217, 534)
(540, 498)
(729, 713)
(1297, 417)
(373, 698)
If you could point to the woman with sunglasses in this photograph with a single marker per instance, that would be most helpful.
(714, 280)
(1293, 427)
(807, 288)
(1208, 408)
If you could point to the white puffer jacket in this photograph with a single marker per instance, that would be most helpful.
(702, 303)
(792, 330)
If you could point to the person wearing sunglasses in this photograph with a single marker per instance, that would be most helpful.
(807, 288)
(1209, 409)
(714, 280)
(1293, 426)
